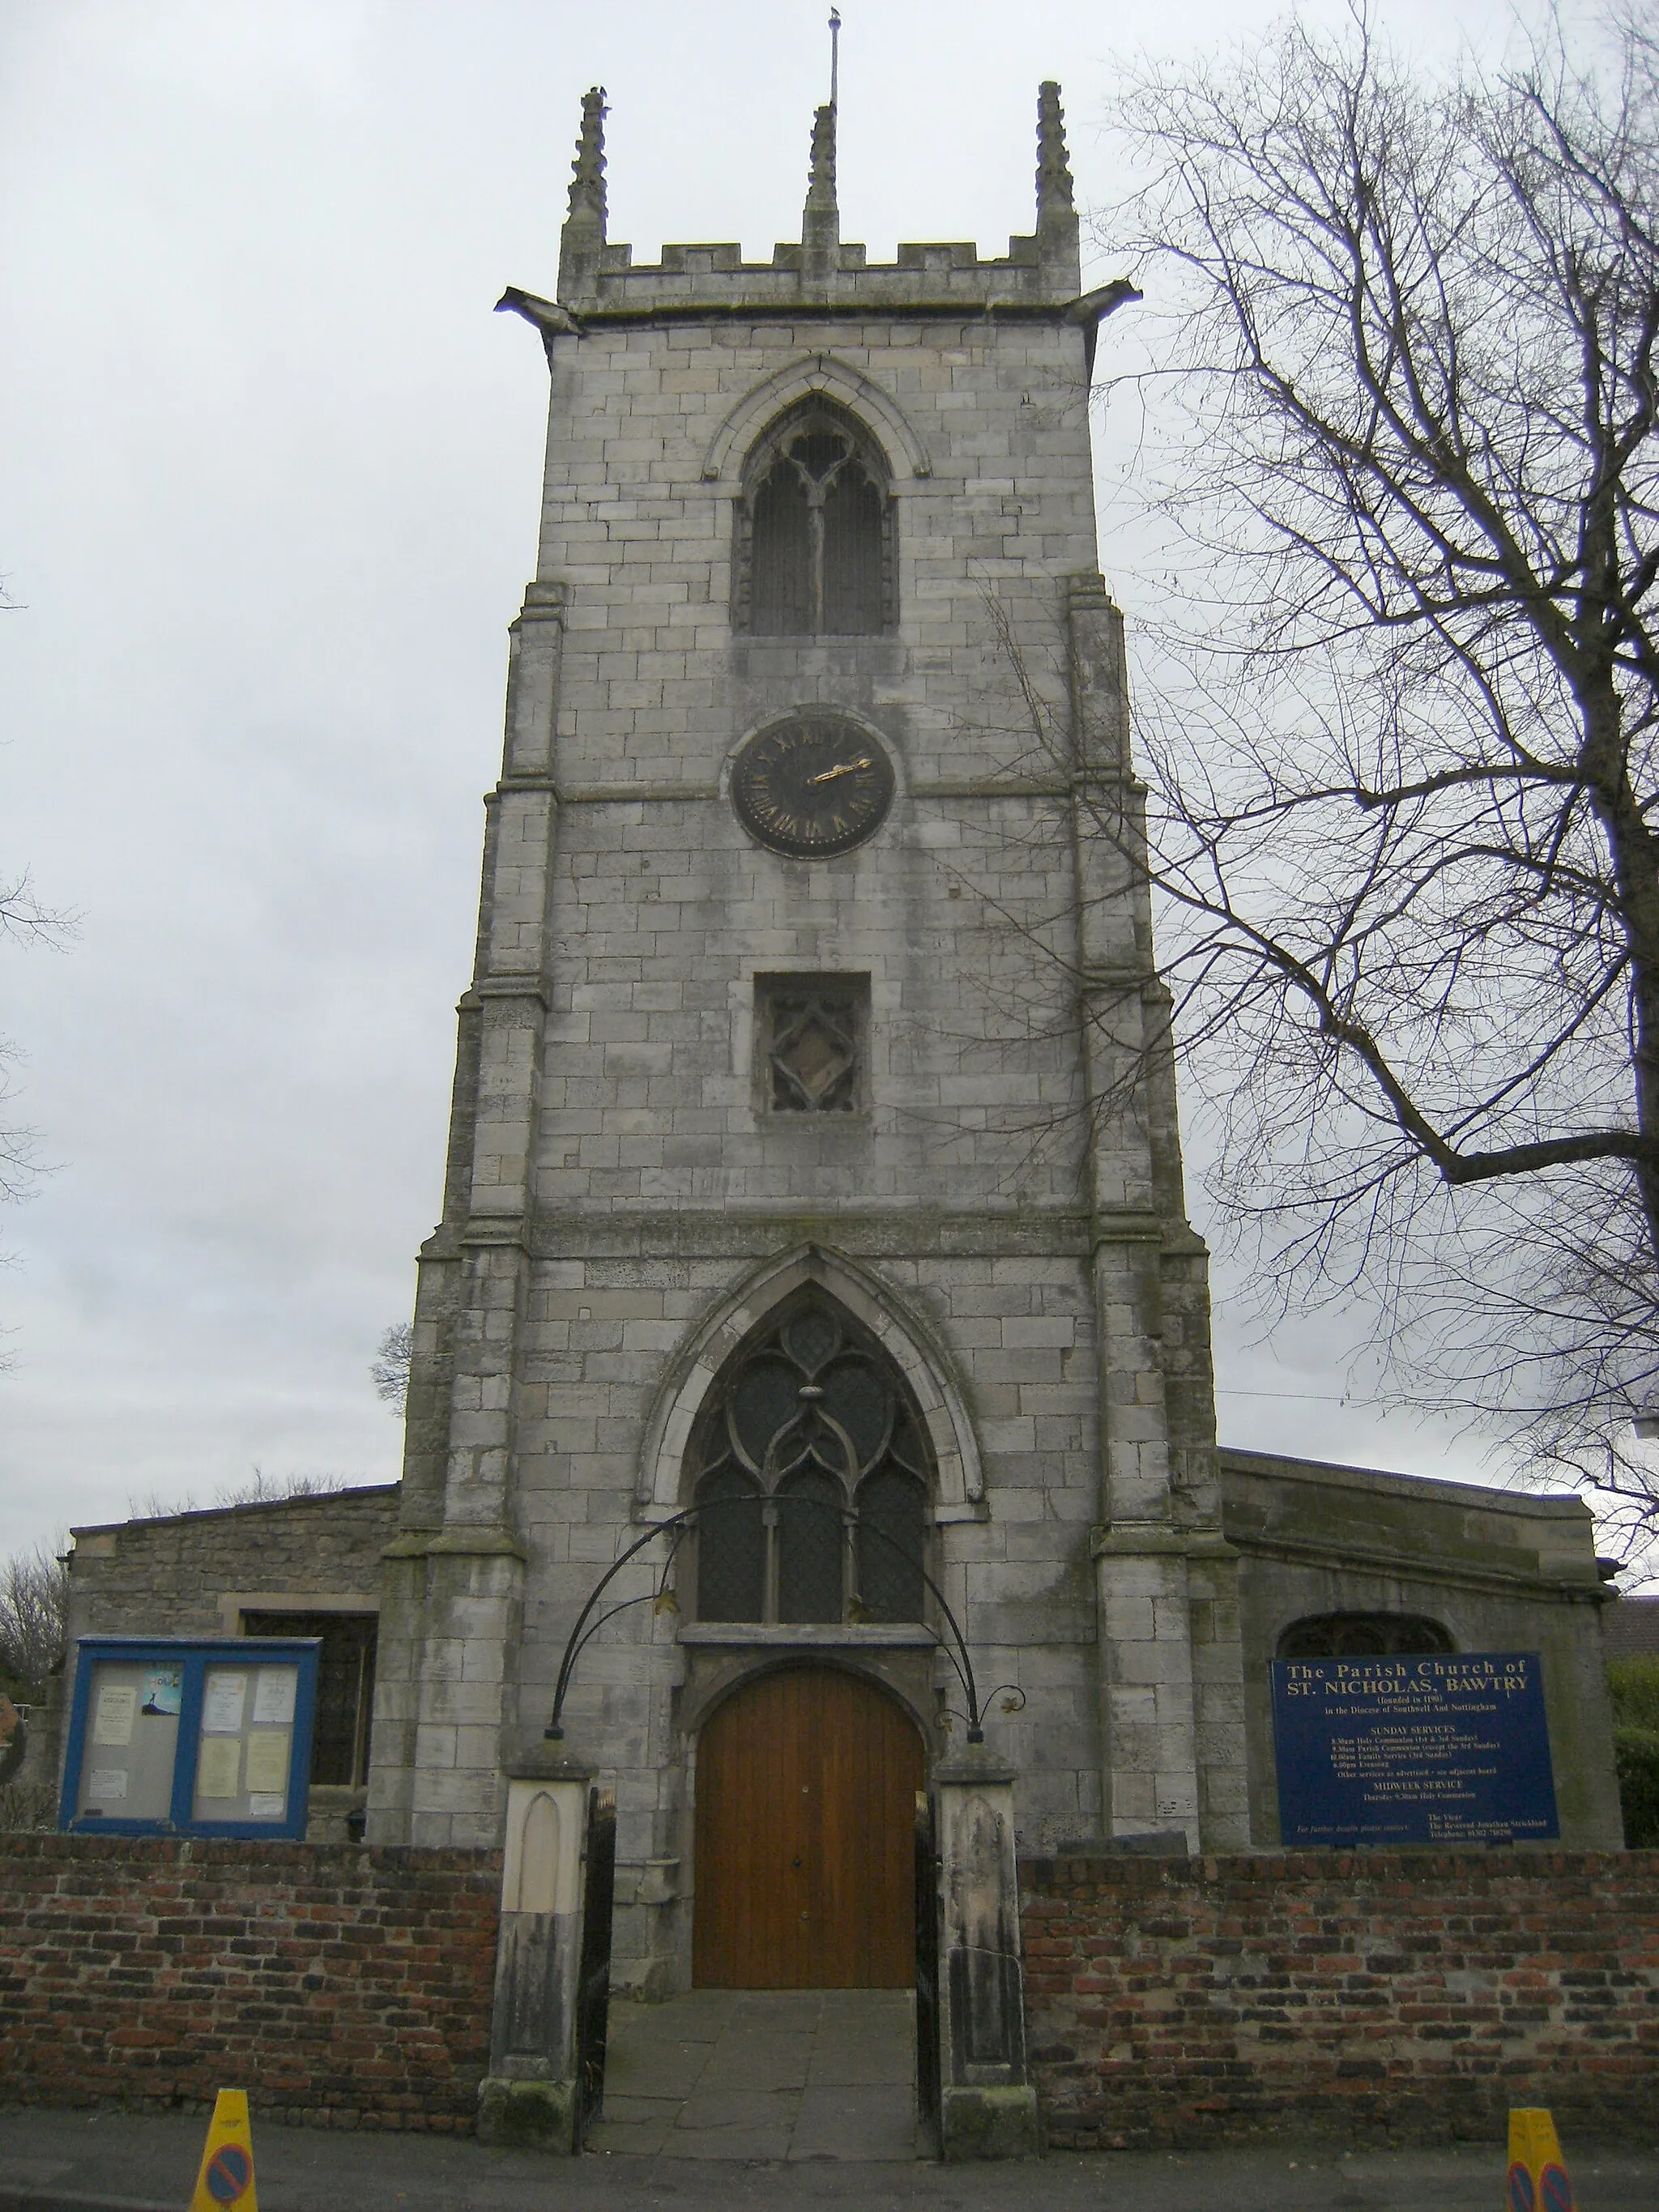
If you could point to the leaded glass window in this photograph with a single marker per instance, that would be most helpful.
(731, 1585)
(889, 1573)
(811, 1547)
(814, 1479)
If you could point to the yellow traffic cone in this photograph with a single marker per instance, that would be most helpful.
(1537, 2178)
(227, 2174)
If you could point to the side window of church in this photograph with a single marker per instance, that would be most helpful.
(814, 1481)
(812, 1035)
(1363, 1636)
(345, 1687)
(814, 529)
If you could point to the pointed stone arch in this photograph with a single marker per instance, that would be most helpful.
(906, 1339)
(537, 1886)
(815, 375)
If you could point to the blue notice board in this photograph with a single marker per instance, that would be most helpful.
(1450, 1747)
(188, 1736)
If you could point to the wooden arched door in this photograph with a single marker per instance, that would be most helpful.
(806, 1782)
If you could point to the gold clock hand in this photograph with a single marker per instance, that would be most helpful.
(843, 768)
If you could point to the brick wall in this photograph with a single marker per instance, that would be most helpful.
(1411, 1998)
(339, 1987)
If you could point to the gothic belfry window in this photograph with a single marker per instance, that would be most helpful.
(813, 1480)
(814, 550)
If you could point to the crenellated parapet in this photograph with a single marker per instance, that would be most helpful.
(600, 280)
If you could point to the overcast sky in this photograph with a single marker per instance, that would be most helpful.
(268, 480)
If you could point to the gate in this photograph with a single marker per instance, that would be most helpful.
(594, 1978)
(927, 2025)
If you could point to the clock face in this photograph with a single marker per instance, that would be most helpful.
(813, 785)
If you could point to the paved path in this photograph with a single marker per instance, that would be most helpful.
(114, 2162)
(761, 2074)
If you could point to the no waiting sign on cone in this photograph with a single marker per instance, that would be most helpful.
(227, 2176)
(1537, 2178)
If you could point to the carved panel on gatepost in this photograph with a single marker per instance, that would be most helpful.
(987, 2105)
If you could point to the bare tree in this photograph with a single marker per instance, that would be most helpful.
(1398, 710)
(390, 1369)
(34, 1600)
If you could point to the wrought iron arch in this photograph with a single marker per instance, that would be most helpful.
(953, 1645)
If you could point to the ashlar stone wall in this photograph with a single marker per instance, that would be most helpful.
(184, 1574)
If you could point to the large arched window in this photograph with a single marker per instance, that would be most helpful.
(813, 1480)
(814, 549)
(1363, 1636)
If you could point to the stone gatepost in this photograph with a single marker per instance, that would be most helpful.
(987, 2105)
(532, 2096)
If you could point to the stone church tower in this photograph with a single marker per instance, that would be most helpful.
(813, 1163)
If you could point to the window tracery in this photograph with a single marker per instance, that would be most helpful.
(814, 525)
(814, 1477)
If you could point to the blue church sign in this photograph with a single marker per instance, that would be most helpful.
(1450, 1747)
